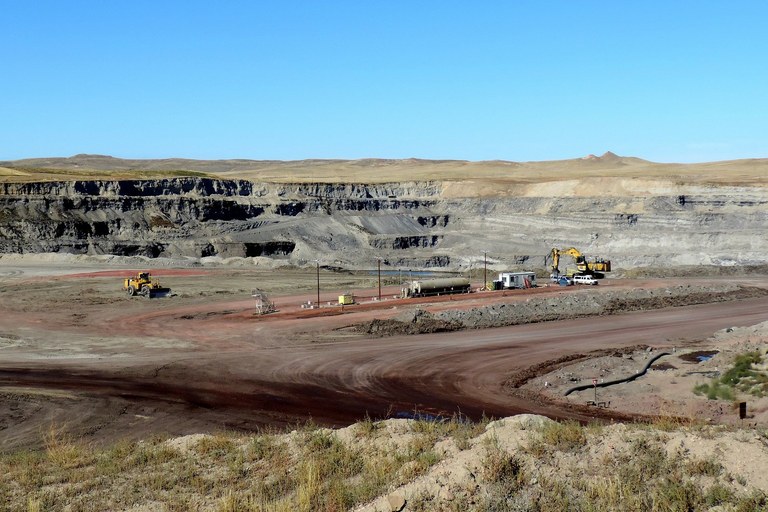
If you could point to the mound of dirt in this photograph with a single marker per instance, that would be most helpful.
(594, 303)
(412, 322)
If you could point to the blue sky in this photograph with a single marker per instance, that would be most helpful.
(679, 81)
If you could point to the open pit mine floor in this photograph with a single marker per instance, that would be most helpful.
(77, 353)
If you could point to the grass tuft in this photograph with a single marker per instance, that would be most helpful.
(62, 450)
(566, 436)
(705, 467)
(320, 470)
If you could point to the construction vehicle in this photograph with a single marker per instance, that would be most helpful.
(143, 284)
(596, 268)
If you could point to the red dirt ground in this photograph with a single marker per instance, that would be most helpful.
(117, 367)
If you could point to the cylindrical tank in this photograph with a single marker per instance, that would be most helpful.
(440, 286)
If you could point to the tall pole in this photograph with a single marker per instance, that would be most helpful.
(594, 383)
(485, 270)
(318, 282)
(379, 261)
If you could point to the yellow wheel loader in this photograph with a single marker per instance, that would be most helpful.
(143, 284)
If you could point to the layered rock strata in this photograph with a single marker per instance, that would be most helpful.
(408, 225)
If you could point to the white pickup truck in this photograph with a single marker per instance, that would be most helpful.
(584, 280)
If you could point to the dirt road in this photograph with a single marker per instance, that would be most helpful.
(101, 369)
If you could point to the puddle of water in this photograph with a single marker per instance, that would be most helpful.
(699, 356)
(419, 416)
(425, 416)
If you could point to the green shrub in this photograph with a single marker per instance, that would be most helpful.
(740, 376)
(715, 390)
(742, 368)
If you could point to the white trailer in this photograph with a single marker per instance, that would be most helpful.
(517, 280)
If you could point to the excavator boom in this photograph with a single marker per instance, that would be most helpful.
(583, 266)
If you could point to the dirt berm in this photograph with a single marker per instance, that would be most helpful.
(589, 302)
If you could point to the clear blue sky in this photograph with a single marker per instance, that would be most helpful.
(670, 81)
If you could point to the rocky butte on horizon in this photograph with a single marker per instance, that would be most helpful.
(96, 156)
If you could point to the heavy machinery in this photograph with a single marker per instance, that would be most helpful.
(596, 268)
(143, 284)
(264, 304)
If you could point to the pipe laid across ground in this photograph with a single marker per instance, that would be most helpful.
(618, 381)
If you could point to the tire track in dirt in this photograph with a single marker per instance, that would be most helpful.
(339, 383)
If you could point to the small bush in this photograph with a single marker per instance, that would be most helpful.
(63, 451)
(504, 469)
(219, 445)
(676, 494)
(666, 423)
(740, 376)
(714, 390)
(757, 500)
(718, 494)
(566, 436)
(367, 428)
(706, 467)
(742, 368)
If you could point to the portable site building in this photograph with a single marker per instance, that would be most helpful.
(517, 279)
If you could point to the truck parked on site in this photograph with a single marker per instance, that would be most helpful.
(584, 279)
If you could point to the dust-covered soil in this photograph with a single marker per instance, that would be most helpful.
(667, 388)
(77, 352)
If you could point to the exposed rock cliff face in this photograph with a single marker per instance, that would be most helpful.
(409, 225)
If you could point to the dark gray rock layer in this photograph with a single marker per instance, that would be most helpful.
(407, 225)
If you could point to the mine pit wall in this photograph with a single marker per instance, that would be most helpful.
(409, 225)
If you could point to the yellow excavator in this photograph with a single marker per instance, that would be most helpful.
(596, 268)
(143, 284)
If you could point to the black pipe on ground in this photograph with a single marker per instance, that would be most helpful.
(642, 372)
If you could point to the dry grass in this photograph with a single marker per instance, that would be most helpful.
(313, 469)
(485, 178)
(54, 174)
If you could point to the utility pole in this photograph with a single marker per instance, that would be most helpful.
(318, 282)
(485, 270)
(594, 383)
(379, 262)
